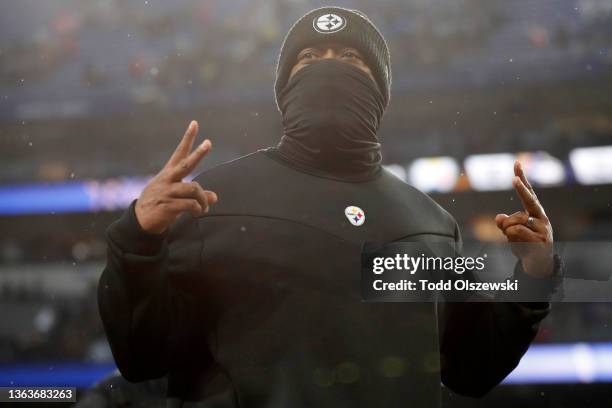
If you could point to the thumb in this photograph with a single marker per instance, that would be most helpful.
(499, 219)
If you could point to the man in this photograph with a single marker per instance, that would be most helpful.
(255, 301)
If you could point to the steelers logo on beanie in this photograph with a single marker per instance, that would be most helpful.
(350, 27)
(328, 23)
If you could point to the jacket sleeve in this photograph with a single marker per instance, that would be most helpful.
(144, 317)
(482, 342)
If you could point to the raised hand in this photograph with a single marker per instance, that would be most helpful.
(166, 196)
(530, 229)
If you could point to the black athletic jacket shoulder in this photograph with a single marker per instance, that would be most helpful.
(258, 303)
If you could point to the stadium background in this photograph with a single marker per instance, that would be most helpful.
(94, 95)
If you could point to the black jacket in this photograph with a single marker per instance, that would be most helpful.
(258, 304)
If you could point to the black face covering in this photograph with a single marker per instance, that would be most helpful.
(331, 112)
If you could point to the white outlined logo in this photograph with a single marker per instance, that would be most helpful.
(355, 215)
(328, 23)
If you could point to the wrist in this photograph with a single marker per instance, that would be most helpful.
(144, 223)
(538, 266)
(127, 234)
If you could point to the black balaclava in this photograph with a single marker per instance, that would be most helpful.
(331, 112)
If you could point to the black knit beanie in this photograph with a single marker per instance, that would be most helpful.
(350, 27)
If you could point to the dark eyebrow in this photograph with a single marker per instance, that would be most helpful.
(319, 48)
(352, 49)
(307, 49)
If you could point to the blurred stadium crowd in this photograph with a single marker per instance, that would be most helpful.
(97, 91)
(66, 61)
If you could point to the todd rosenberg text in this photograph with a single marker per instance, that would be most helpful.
(444, 285)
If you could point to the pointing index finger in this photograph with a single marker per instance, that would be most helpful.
(184, 146)
(519, 172)
(186, 166)
(528, 198)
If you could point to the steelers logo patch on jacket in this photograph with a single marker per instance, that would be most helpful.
(355, 215)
